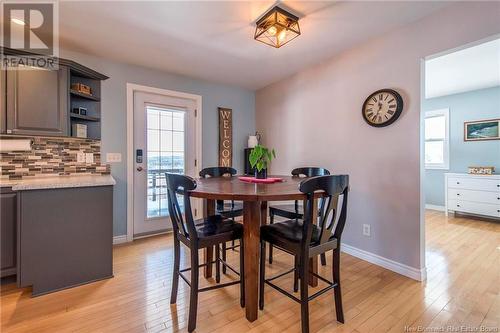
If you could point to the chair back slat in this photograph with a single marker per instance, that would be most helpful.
(310, 172)
(333, 211)
(217, 172)
(183, 224)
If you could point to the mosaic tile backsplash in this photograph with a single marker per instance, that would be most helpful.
(51, 157)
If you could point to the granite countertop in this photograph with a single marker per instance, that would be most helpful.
(58, 182)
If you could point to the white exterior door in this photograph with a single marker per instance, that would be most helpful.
(164, 141)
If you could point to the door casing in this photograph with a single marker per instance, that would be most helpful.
(131, 88)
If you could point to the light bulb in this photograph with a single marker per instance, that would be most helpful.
(282, 35)
(272, 30)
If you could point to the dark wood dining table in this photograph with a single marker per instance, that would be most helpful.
(255, 198)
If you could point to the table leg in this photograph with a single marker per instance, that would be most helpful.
(251, 238)
(209, 251)
(263, 212)
(313, 262)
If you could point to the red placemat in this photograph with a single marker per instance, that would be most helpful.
(269, 180)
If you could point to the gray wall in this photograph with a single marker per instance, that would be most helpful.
(114, 117)
(323, 104)
(474, 105)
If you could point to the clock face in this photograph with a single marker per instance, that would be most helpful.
(382, 108)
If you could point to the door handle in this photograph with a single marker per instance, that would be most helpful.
(139, 168)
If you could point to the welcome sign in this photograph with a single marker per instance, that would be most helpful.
(225, 137)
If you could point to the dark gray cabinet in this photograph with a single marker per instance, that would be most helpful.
(66, 237)
(37, 102)
(42, 102)
(8, 232)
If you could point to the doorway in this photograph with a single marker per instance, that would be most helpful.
(165, 135)
(460, 210)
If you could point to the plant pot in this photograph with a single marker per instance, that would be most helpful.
(261, 174)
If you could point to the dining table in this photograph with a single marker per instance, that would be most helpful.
(255, 198)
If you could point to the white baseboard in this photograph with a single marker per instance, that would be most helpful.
(120, 239)
(411, 272)
(435, 207)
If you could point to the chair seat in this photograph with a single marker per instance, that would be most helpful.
(288, 233)
(218, 226)
(287, 210)
(238, 205)
(229, 211)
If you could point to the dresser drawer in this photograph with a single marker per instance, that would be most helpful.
(474, 207)
(478, 184)
(475, 196)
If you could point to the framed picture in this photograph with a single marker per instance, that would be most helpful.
(482, 130)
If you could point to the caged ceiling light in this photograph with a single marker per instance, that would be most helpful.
(277, 27)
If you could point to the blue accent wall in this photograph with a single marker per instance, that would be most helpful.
(474, 105)
(114, 117)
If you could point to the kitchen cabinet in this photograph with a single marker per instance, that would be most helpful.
(65, 237)
(8, 241)
(43, 102)
(37, 101)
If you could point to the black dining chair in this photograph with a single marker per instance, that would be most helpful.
(195, 235)
(294, 211)
(228, 209)
(306, 240)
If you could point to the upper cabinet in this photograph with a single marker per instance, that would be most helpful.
(63, 102)
(37, 102)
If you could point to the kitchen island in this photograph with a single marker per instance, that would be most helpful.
(63, 228)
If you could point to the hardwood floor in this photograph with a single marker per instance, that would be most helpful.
(463, 262)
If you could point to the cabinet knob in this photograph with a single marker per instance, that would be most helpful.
(458, 205)
(458, 193)
(458, 183)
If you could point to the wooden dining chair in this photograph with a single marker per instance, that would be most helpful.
(307, 240)
(294, 211)
(228, 209)
(195, 235)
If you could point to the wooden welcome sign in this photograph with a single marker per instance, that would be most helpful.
(225, 137)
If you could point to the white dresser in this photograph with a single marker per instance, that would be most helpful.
(472, 194)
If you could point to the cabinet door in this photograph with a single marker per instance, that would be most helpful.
(8, 241)
(37, 102)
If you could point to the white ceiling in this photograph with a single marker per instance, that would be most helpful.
(473, 68)
(214, 40)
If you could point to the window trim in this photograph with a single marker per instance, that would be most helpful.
(446, 154)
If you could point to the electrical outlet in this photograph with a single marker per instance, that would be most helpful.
(89, 158)
(80, 157)
(113, 157)
(366, 230)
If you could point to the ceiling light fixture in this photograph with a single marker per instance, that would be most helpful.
(18, 21)
(277, 27)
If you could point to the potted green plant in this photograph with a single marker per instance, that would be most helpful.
(259, 159)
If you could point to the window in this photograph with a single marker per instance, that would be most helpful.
(165, 142)
(437, 143)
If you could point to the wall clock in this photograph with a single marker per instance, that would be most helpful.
(382, 108)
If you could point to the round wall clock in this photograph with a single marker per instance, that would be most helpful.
(382, 108)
